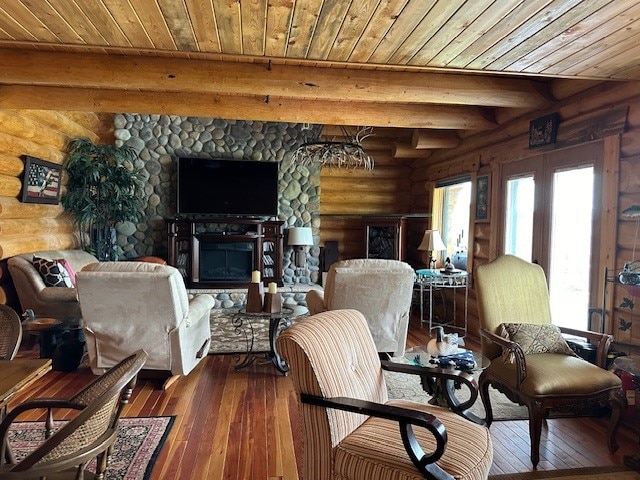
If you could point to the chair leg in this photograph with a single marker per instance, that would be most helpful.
(101, 465)
(617, 404)
(486, 400)
(536, 416)
(80, 471)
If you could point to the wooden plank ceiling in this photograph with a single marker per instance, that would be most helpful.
(441, 68)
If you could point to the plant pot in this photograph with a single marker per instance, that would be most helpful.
(103, 243)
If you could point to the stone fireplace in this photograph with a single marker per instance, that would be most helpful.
(160, 139)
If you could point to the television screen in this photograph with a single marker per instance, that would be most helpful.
(227, 187)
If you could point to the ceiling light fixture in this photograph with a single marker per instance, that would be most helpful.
(334, 153)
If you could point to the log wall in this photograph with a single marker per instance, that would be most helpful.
(28, 227)
(347, 194)
(581, 121)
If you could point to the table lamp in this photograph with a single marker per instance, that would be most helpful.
(431, 241)
(300, 237)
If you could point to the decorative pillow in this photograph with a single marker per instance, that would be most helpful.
(536, 338)
(52, 272)
(67, 266)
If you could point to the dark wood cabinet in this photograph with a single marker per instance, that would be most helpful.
(222, 253)
(385, 237)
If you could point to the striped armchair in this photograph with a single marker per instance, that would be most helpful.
(351, 430)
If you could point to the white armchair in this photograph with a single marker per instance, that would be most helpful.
(128, 306)
(379, 289)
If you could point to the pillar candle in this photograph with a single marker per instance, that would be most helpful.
(273, 287)
(255, 276)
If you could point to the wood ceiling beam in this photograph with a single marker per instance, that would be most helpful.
(245, 107)
(128, 72)
(422, 139)
(402, 150)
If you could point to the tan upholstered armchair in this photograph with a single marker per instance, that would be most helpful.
(35, 295)
(134, 305)
(351, 430)
(380, 289)
(513, 291)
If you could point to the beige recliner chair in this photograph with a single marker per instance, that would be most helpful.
(128, 306)
(380, 289)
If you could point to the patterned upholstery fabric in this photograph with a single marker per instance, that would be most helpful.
(53, 272)
(332, 354)
(534, 339)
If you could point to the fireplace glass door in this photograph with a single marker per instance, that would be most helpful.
(223, 261)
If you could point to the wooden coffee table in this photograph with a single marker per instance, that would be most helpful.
(15, 376)
(18, 374)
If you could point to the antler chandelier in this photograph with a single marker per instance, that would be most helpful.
(348, 153)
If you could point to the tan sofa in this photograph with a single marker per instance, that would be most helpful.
(127, 306)
(379, 289)
(35, 295)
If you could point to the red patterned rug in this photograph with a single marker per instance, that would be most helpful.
(137, 446)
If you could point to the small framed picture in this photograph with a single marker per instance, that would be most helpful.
(543, 130)
(41, 182)
(482, 198)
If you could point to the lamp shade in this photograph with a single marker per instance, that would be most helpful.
(300, 236)
(432, 241)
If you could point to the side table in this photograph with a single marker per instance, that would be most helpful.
(243, 323)
(443, 391)
(430, 280)
(60, 339)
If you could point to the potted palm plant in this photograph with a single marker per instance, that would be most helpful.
(104, 188)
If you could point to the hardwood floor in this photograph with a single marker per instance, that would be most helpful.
(244, 425)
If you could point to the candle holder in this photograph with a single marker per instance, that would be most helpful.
(272, 303)
(255, 295)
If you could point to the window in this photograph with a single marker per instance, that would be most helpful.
(452, 202)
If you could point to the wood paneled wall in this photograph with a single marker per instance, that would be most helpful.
(484, 153)
(28, 227)
(346, 194)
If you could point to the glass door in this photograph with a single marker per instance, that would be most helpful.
(548, 205)
(570, 245)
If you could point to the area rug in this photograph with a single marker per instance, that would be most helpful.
(590, 473)
(139, 441)
(226, 338)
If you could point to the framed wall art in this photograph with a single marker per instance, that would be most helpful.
(482, 198)
(41, 182)
(543, 130)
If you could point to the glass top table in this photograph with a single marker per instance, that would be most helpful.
(445, 391)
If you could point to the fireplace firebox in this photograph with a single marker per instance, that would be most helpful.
(224, 259)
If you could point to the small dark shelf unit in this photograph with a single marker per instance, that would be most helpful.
(186, 235)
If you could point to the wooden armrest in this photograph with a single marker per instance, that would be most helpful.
(425, 463)
(43, 403)
(448, 379)
(514, 349)
(602, 341)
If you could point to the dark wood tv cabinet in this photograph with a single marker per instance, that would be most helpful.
(249, 244)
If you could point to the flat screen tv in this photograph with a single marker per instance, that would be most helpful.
(208, 187)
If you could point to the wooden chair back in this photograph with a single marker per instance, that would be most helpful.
(11, 332)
